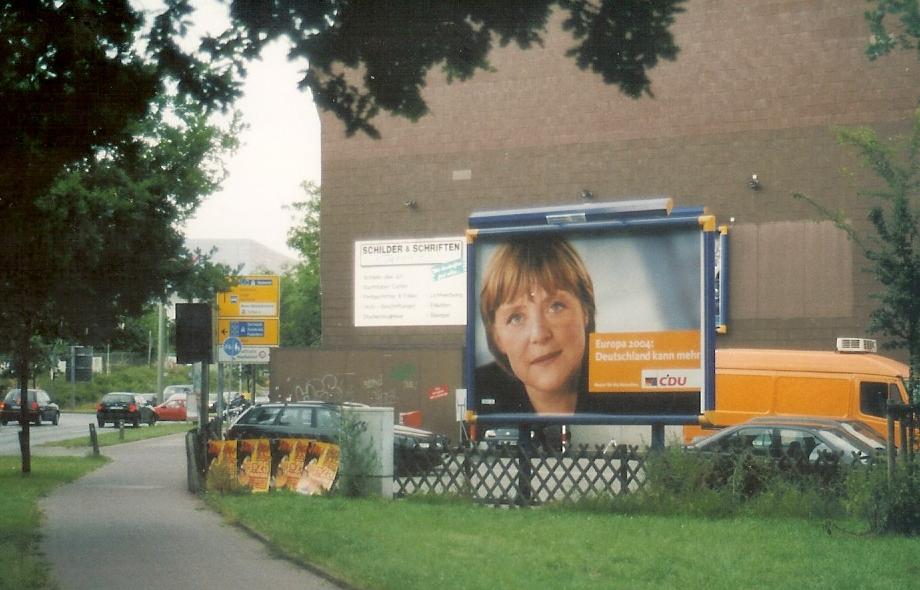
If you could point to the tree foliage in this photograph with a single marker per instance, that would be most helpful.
(72, 82)
(894, 247)
(105, 239)
(887, 36)
(367, 56)
(301, 293)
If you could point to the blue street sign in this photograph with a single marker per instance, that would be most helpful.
(233, 346)
(244, 329)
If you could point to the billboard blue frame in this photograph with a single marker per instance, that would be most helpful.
(635, 218)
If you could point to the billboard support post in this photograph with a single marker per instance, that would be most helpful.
(658, 437)
(524, 466)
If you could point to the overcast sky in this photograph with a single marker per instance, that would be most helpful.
(278, 151)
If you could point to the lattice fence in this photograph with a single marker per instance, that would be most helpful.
(509, 474)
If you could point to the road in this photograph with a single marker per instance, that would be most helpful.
(133, 522)
(71, 425)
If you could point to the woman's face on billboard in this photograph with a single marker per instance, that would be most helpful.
(543, 336)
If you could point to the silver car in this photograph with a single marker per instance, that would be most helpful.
(802, 437)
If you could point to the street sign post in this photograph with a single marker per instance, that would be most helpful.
(248, 321)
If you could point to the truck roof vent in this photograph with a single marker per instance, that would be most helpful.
(856, 345)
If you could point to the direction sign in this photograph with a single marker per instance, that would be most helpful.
(233, 346)
(251, 332)
(248, 355)
(252, 296)
(247, 328)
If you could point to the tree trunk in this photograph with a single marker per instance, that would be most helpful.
(23, 370)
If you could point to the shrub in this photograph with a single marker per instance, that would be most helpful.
(357, 459)
(886, 505)
(135, 379)
(694, 484)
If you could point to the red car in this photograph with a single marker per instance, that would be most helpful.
(172, 409)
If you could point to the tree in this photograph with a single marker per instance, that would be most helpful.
(72, 81)
(301, 292)
(366, 56)
(105, 239)
(894, 248)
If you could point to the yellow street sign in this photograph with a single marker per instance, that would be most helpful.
(256, 296)
(250, 331)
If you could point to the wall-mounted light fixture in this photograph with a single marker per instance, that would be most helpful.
(754, 183)
(587, 195)
(413, 204)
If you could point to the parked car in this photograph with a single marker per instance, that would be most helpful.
(41, 408)
(150, 398)
(124, 407)
(172, 410)
(415, 449)
(171, 391)
(805, 437)
(552, 437)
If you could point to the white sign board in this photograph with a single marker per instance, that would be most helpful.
(410, 282)
(248, 355)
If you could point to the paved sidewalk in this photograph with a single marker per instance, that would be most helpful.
(133, 522)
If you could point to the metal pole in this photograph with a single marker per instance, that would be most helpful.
(203, 416)
(73, 377)
(891, 446)
(220, 398)
(161, 337)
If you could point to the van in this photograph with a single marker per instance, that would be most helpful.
(842, 385)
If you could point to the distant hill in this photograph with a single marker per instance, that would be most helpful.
(254, 257)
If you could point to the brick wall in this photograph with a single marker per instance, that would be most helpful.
(756, 89)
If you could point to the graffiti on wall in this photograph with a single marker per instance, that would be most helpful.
(401, 380)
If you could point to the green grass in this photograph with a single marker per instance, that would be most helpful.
(20, 518)
(110, 436)
(419, 544)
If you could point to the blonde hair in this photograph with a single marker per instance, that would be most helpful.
(546, 260)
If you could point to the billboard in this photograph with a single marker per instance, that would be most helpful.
(596, 315)
(410, 282)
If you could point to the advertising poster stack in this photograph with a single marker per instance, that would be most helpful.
(305, 466)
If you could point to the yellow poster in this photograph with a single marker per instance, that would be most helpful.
(320, 469)
(293, 453)
(222, 452)
(645, 362)
(255, 470)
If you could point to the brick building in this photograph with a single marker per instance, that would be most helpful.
(757, 88)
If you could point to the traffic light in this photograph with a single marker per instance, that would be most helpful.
(193, 333)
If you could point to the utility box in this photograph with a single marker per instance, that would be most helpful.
(80, 364)
(377, 434)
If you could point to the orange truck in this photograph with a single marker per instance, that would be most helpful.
(852, 383)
